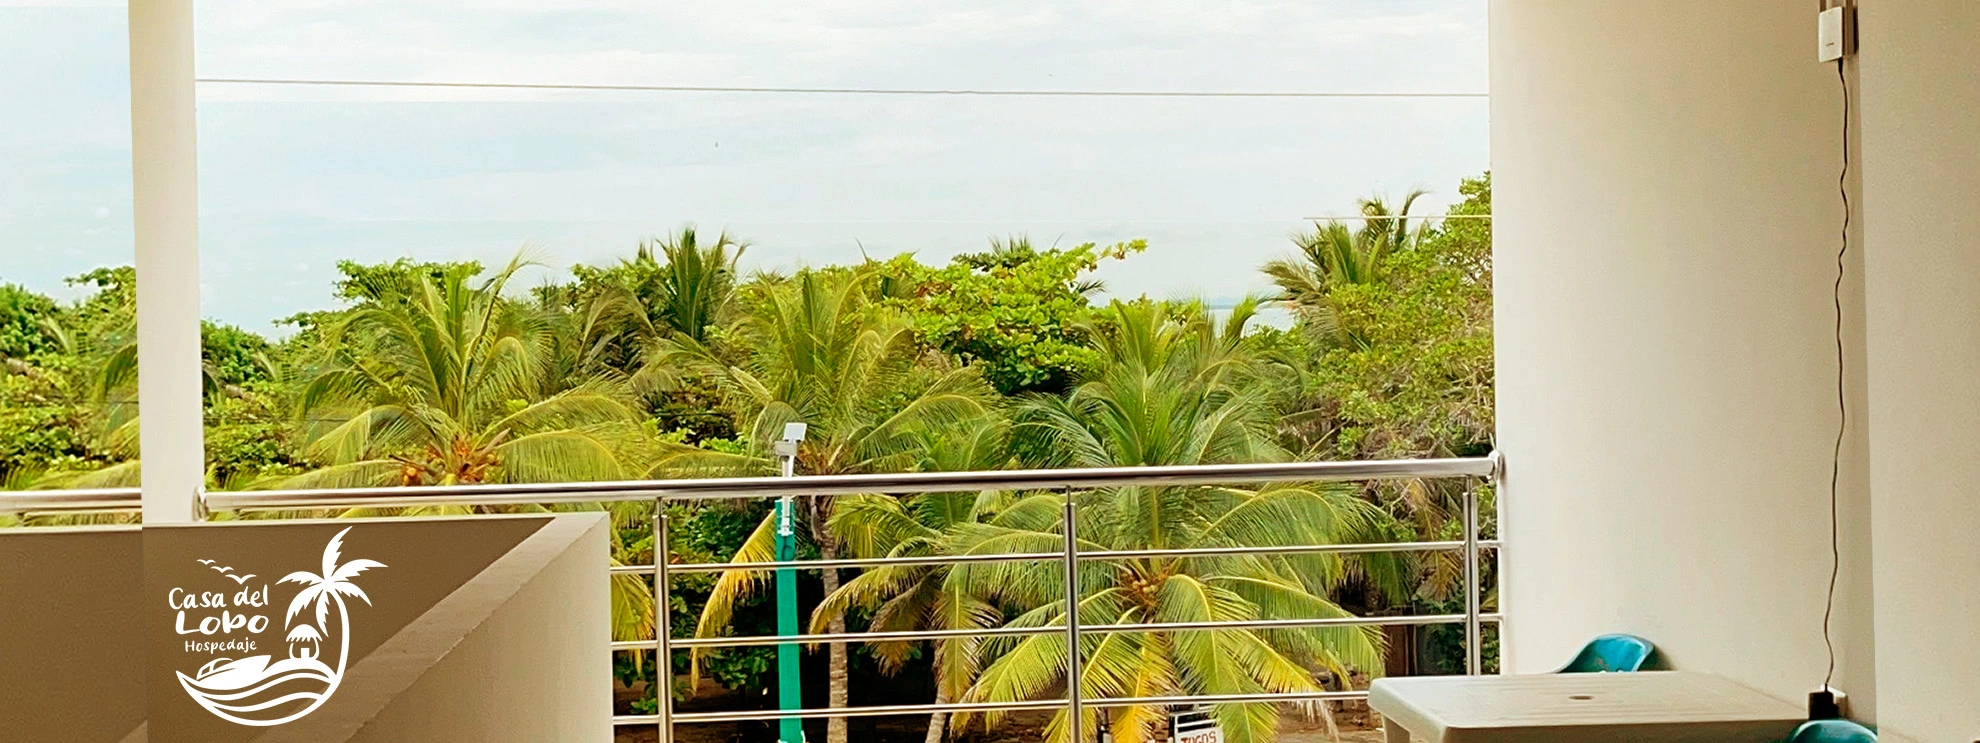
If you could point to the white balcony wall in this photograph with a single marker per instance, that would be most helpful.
(1667, 220)
(1921, 194)
(1666, 234)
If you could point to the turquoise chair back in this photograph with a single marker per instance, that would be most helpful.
(1611, 654)
(1833, 731)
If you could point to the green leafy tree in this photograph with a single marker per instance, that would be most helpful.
(43, 427)
(39, 423)
(234, 357)
(73, 405)
(1015, 312)
(27, 320)
(250, 441)
(85, 377)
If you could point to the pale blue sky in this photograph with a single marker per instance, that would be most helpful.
(294, 179)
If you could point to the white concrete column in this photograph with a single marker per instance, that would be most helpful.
(1921, 181)
(1666, 228)
(164, 154)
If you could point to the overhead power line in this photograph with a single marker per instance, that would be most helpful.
(959, 92)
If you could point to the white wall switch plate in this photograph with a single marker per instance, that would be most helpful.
(1833, 32)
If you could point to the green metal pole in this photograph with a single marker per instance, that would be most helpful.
(790, 688)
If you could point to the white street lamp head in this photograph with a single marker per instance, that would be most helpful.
(794, 431)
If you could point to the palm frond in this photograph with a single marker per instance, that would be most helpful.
(557, 456)
(734, 587)
(369, 473)
(874, 525)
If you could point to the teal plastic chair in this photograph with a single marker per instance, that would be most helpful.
(1611, 654)
(1832, 731)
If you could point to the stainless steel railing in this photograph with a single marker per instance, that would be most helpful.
(114, 499)
(69, 501)
(663, 491)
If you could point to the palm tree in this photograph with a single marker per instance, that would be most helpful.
(921, 597)
(447, 388)
(677, 285)
(447, 382)
(816, 349)
(1333, 259)
(1332, 255)
(695, 291)
(331, 586)
(1172, 393)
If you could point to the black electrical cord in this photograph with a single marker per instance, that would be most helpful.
(1842, 404)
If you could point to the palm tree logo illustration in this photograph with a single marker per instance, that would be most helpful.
(254, 691)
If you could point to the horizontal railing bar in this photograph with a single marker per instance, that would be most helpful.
(876, 562)
(927, 709)
(1309, 549)
(751, 487)
(1413, 619)
(891, 483)
(944, 634)
(902, 636)
(1270, 697)
(870, 562)
(889, 710)
(96, 499)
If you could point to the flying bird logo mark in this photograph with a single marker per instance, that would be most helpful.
(227, 571)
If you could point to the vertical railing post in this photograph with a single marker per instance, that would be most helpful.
(663, 627)
(1473, 650)
(1074, 720)
(1497, 482)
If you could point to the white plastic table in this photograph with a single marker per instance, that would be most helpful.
(1653, 707)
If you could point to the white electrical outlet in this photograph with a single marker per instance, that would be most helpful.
(1834, 29)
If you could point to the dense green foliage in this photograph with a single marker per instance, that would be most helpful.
(23, 317)
(1013, 312)
(673, 363)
